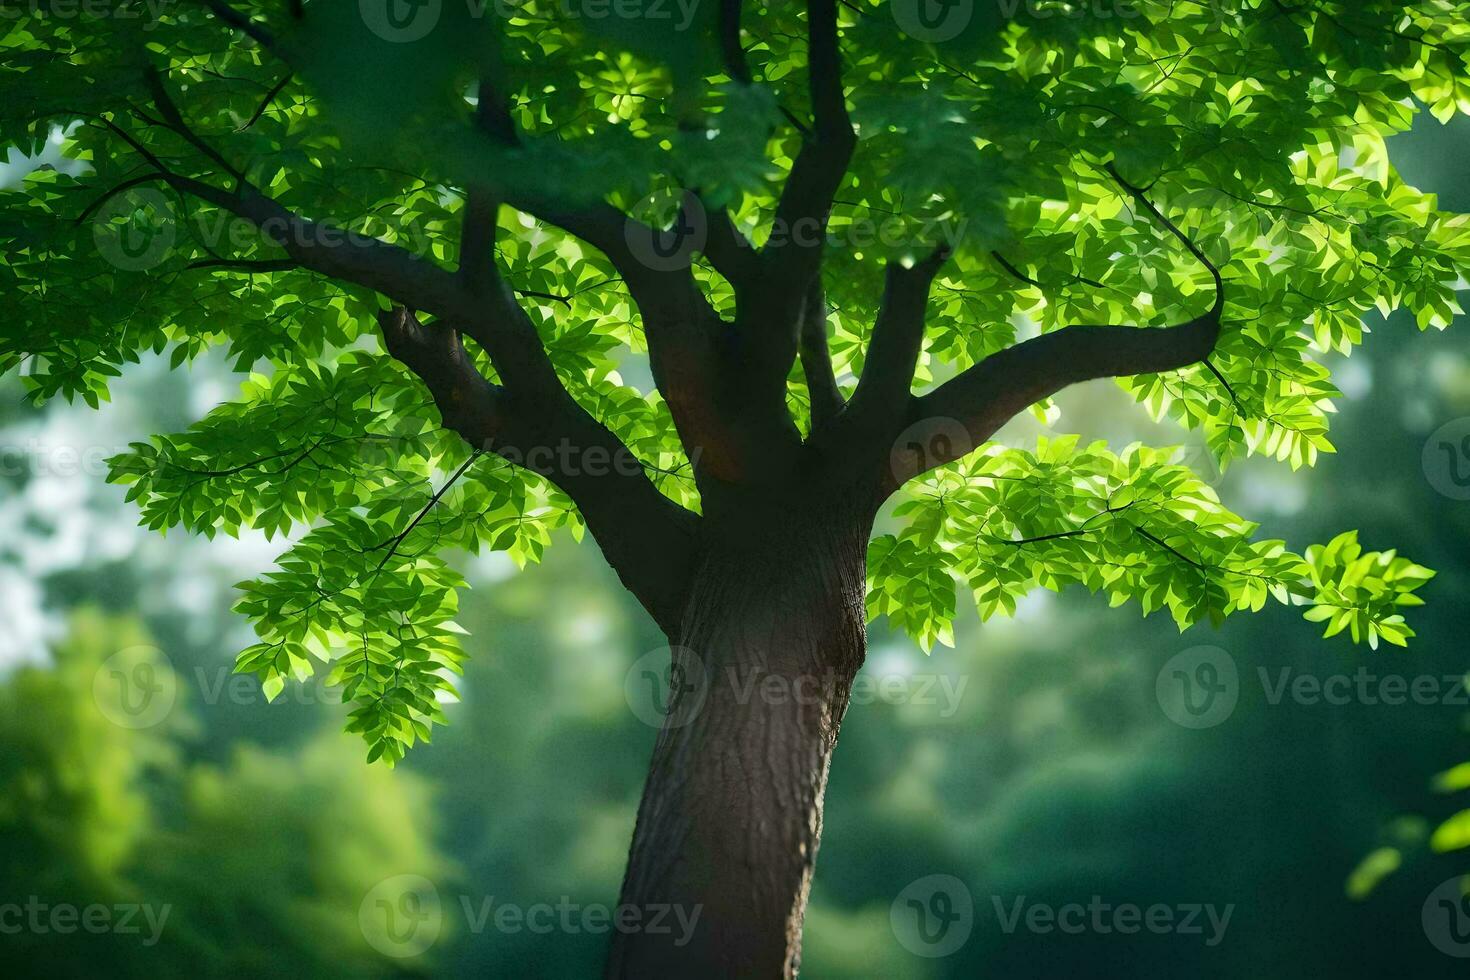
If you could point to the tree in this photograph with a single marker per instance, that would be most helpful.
(443, 236)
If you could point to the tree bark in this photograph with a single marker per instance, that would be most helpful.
(731, 816)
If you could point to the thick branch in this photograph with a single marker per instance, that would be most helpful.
(628, 243)
(795, 251)
(769, 304)
(625, 241)
(680, 327)
(341, 254)
(245, 265)
(533, 420)
(883, 391)
(468, 404)
(332, 251)
(793, 254)
(617, 235)
(824, 65)
(505, 332)
(477, 238)
(501, 326)
(986, 396)
(730, 252)
(646, 538)
(731, 50)
(816, 358)
(492, 112)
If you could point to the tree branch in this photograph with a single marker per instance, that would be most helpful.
(265, 102)
(242, 23)
(816, 358)
(800, 232)
(533, 420)
(477, 238)
(174, 119)
(332, 251)
(883, 391)
(769, 303)
(1007, 265)
(1229, 389)
(621, 238)
(112, 192)
(682, 330)
(680, 327)
(986, 396)
(730, 252)
(468, 404)
(600, 225)
(492, 112)
(824, 67)
(731, 50)
(340, 254)
(647, 538)
(1141, 196)
(245, 265)
(395, 542)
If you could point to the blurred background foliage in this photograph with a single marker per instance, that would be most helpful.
(1058, 777)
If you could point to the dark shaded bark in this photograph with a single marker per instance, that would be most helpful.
(732, 810)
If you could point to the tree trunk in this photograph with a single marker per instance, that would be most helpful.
(732, 809)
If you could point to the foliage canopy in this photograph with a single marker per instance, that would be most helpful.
(289, 183)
